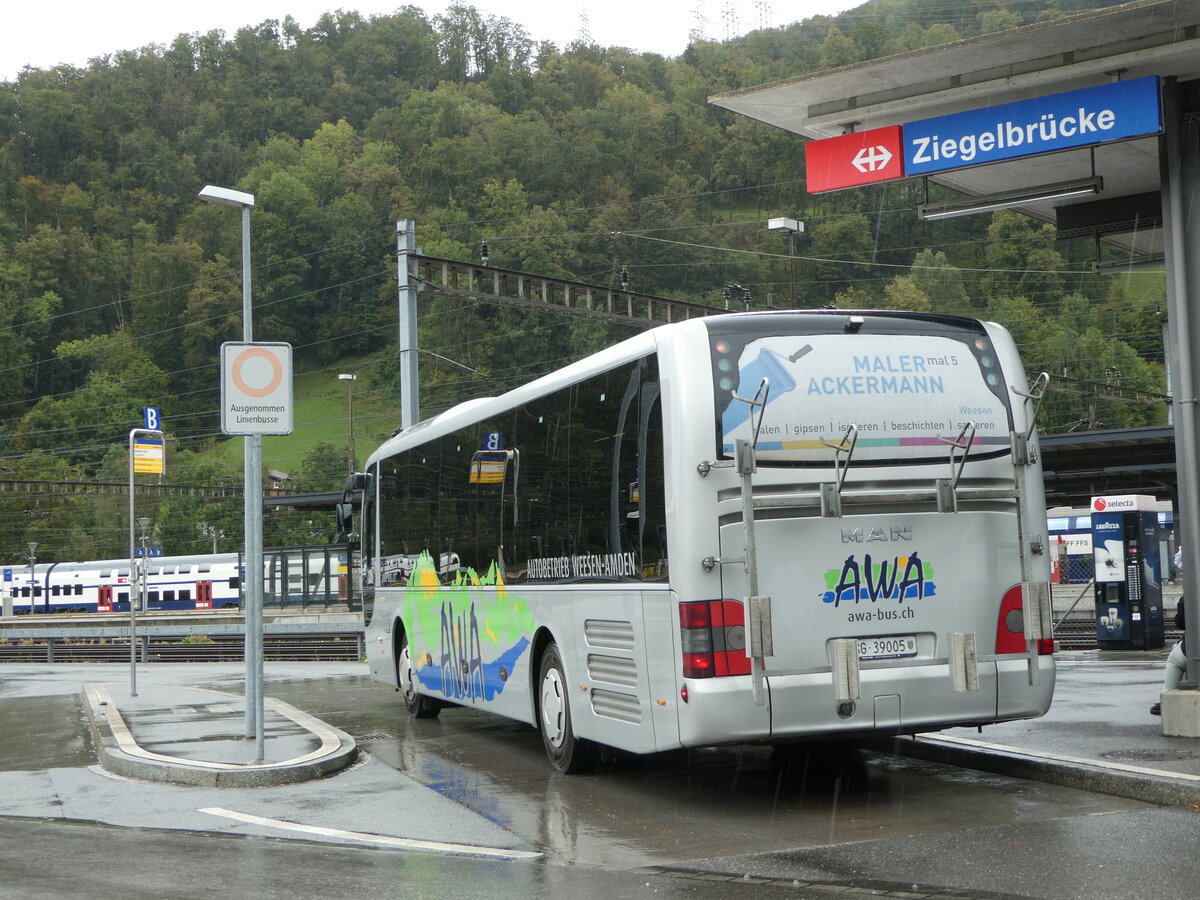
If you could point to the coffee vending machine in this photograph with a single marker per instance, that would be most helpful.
(1129, 612)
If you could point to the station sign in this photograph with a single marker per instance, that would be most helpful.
(256, 388)
(148, 454)
(851, 160)
(1083, 118)
(1096, 115)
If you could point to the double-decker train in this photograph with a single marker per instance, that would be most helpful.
(292, 576)
(207, 581)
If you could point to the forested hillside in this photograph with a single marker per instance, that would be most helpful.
(117, 285)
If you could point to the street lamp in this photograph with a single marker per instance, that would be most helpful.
(350, 379)
(792, 227)
(32, 545)
(253, 576)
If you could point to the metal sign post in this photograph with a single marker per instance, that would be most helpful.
(145, 455)
(256, 399)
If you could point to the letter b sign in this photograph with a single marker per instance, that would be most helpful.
(152, 418)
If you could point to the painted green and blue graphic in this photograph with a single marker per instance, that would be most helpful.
(467, 636)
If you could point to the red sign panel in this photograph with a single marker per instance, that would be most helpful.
(864, 157)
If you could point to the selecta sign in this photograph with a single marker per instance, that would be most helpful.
(1115, 503)
(1096, 115)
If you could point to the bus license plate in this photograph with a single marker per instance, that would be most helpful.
(887, 647)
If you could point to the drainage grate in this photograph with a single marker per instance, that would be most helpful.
(1150, 755)
(374, 736)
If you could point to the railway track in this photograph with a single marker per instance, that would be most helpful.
(292, 648)
(1079, 633)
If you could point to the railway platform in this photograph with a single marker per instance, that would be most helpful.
(1099, 734)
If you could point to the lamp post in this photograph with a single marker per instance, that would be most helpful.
(350, 379)
(253, 576)
(791, 227)
(32, 545)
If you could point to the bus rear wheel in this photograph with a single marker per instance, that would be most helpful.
(568, 754)
(418, 705)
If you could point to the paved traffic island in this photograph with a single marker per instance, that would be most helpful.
(193, 736)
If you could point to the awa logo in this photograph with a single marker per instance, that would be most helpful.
(897, 579)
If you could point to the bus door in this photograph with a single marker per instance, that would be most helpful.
(204, 594)
(104, 600)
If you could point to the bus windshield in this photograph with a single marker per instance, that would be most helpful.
(907, 386)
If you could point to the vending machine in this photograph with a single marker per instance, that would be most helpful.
(1129, 613)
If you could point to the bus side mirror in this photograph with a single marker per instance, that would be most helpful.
(345, 517)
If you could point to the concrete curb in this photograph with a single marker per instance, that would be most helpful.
(120, 753)
(1114, 779)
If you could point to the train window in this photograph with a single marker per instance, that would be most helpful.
(79, 590)
(184, 596)
(235, 582)
(37, 590)
(168, 596)
(168, 570)
(123, 597)
(24, 592)
(55, 591)
(122, 573)
(154, 596)
(105, 574)
(204, 567)
(155, 571)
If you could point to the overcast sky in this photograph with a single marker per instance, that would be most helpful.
(74, 31)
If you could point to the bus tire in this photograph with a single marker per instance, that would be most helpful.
(568, 754)
(419, 706)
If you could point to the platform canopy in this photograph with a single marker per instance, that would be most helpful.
(1126, 42)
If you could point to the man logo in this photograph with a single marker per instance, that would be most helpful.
(877, 533)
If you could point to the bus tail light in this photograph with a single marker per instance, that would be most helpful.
(1010, 627)
(713, 634)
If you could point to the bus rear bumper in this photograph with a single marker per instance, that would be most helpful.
(891, 701)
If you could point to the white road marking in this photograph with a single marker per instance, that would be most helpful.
(383, 839)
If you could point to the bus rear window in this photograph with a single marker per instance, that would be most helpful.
(907, 393)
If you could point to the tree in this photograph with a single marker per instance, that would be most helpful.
(903, 292)
(838, 50)
(842, 245)
(1023, 259)
(322, 469)
(941, 282)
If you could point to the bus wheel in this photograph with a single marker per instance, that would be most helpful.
(418, 705)
(567, 753)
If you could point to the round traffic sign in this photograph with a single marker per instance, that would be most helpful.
(252, 378)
